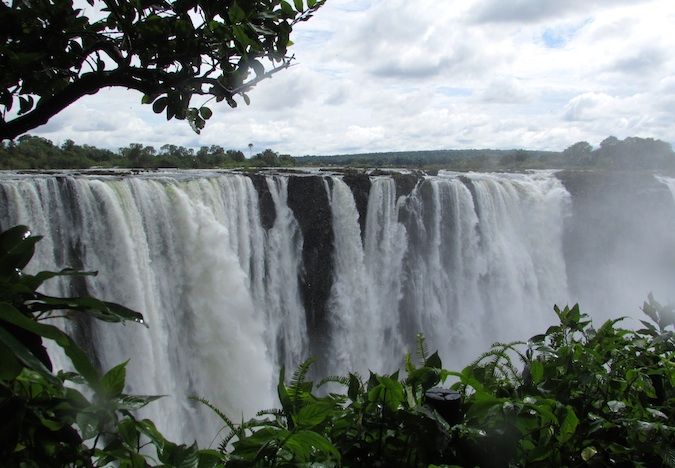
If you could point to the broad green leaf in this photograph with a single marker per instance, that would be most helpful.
(9, 365)
(24, 355)
(314, 413)
(17, 247)
(205, 112)
(112, 383)
(298, 5)
(287, 8)
(434, 361)
(568, 425)
(134, 402)
(354, 387)
(258, 68)
(302, 444)
(77, 356)
(159, 105)
(536, 371)
(237, 15)
(388, 392)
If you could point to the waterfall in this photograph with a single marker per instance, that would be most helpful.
(669, 182)
(182, 252)
(465, 260)
(239, 275)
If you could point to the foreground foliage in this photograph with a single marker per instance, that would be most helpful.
(572, 396)
(44, 419)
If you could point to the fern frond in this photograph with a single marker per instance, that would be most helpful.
(338, 379)
(300, 373)
(222, 447)
(409, 366)
(421, 350)
(296, 389)
(228, 422)
(276, 412)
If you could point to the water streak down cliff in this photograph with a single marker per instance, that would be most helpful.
(238, 275)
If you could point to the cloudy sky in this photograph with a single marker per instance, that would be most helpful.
(382, 75)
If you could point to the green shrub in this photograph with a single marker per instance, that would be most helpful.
(573, 396)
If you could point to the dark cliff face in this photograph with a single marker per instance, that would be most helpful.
(406, 183)
(268, 214)
(618, 239)
(360, 185)
(308, 199)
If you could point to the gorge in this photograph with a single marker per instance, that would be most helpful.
(238, 274)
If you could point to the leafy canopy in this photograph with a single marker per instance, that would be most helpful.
(51, 54)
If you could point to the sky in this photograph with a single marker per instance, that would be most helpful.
(401, 75)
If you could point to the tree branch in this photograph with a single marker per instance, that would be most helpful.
(89, 83)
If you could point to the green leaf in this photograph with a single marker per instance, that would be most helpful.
(569, 425)
(17, 247)
(9, 365)
(25, 104)
(311, 3)
(23, 354)
(258, 68)
(247, 100)
(588, 453)
(389, 392)
(314, 413)
(112, 383)
(236, 14)
(79, 359)
(134, 402)
(159, 105)
(106, 311)
(537, 371)
(354, 387)
(287, 8)
(434, 361)
(302, 444)
(205, 112)
(298, 5)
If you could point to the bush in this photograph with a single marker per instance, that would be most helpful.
(580, 397)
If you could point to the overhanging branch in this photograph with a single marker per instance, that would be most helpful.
(89, 83)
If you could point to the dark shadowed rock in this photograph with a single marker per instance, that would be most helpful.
(360, 185)
(405, 183)
(308, 199)
(268, 213)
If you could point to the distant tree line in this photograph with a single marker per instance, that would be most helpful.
(33, 152)
(631, 153)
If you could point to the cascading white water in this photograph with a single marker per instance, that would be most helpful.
(353, 320)
(463, 269)
(286, 323)
(182, 252)
(465, 259)
(669, 182)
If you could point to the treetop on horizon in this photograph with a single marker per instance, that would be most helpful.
(51, 54)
